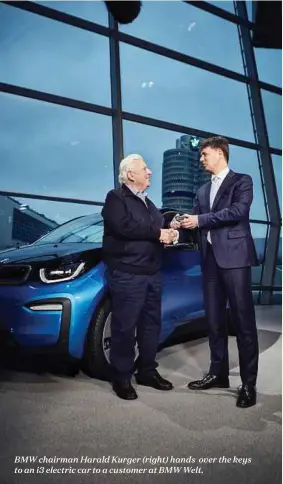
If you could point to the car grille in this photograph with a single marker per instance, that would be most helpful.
(14, 274)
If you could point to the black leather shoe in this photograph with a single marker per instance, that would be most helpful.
(247, 396)
(124, 389)
(154, 380)
(209, 381)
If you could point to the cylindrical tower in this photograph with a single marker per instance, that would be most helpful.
(182, 174)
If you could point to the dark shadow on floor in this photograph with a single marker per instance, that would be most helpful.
(191, 335)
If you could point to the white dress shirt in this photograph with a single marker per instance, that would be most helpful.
(141, 195)
(216, 181)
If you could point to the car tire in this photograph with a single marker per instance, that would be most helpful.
(95, 363)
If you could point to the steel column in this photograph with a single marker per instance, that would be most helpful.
(116, 97)
(262, 140)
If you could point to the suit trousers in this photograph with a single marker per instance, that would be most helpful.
(136, 317)
(233, 285)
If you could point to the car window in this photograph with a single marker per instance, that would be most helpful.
(82, 230)
(93, 233)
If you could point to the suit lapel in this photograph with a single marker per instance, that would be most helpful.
(207, 196)
(228, 180)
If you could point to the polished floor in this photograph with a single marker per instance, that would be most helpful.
(48, 416)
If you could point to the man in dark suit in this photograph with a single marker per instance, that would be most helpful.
(132, 245)
(221, 213)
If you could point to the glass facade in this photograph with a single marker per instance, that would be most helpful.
(188, 27)
(179, 72)
(59, 150)
(92, 11)
(24, 220)
(53, 57)
(273, 115)
(278, 269)
(149, 79)
(269, 64)
(277, 168)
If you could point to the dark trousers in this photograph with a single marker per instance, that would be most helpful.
(234, 285)
(136, 316)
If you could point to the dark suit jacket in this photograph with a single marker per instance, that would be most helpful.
(228, 221)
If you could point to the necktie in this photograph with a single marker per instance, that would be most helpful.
(214, 189)
(215, 184)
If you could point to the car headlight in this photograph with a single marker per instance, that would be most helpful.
(65, 272)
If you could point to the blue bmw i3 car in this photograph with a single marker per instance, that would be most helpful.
(54, 296)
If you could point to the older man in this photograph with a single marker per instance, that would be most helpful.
(132, 245)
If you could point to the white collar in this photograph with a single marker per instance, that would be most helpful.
(222, 174)
(136, 192)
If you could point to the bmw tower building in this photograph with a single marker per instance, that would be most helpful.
(182, 174)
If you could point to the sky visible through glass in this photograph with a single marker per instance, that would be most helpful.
(49, 149)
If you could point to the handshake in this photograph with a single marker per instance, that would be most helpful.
(185, 221)
(167, 236)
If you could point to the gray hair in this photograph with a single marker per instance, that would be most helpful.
(125, 166)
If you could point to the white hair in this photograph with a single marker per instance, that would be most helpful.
(125, 166)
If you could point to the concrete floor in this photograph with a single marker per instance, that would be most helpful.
(53, 416)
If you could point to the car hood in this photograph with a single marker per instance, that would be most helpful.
(49, 252)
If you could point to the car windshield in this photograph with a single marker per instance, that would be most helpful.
(84, 230)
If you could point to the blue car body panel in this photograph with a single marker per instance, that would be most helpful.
(65, 330)
(42, 328)
(182, 295)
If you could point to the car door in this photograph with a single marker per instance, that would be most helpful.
(182, 294)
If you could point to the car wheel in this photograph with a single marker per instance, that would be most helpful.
(96, 362)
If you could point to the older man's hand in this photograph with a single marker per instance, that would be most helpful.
(190, 222)
(167, 236)
(175, 235)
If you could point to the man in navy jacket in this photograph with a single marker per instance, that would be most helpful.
(221, 213)
(132, 246)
